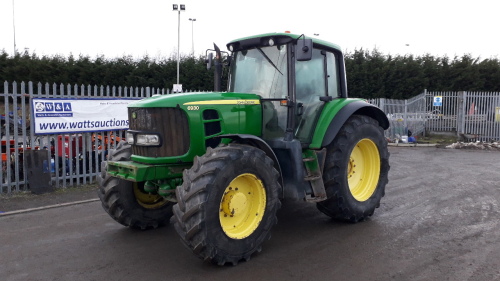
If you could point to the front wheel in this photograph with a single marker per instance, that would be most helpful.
(356, 170)
(227, 203)
(127, 202)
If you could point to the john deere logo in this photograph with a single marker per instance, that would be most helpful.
(134, 115)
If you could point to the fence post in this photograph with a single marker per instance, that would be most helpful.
(15, 133)
(405, 119)
(425, 111)
(382, 104)
(461, 100)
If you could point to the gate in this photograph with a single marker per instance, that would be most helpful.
(469, 115)
(405, 116)
(472, 115)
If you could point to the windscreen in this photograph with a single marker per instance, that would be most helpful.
(260, 71)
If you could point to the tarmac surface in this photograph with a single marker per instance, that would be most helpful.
(439, 220)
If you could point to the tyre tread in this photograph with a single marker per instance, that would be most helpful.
(189, 217)
(337, 205)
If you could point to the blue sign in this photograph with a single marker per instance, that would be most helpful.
(438, 101)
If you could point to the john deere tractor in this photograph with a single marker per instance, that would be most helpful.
(219, 163)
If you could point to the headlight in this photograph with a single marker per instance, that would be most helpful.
(147, 140)
(129, 137)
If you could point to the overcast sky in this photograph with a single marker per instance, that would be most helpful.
(114, 28)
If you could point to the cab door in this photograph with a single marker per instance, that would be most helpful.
(316, 82)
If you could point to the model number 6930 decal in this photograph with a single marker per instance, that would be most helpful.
(193, 107)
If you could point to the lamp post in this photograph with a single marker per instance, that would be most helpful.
(192, 33)
(14, 27)
(178, 8)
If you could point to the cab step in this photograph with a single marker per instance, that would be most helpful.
(314, 161)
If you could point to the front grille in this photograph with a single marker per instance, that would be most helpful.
(171, 123)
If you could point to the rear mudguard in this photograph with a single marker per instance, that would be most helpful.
(333, 118)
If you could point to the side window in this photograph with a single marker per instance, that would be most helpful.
(310, 77)
(332, 68)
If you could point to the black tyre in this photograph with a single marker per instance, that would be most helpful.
(356, 170)
(126, 202)
(227, 203)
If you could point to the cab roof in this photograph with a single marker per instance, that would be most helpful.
(278, 38)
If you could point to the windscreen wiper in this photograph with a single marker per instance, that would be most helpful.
(269, 60)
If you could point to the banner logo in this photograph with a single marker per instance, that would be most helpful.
(53, 109)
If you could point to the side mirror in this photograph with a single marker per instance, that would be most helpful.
(209, 60)
(303, 49)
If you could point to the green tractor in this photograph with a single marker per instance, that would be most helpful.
(218, 164)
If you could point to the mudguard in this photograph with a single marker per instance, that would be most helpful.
(337, 120)
(259, 143)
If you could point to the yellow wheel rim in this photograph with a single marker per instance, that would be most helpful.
(242, 206)
(148, 201)
(363, 170)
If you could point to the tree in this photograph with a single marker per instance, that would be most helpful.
(370, 74)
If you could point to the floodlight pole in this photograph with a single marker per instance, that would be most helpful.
(192, 34)
(14, 27)
(178, 8)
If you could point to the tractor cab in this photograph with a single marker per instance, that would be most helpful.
(293, 75)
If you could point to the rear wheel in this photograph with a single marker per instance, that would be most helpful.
(227, 203)
(127, 202)
(356, 170)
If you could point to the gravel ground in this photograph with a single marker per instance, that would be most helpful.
(439, 220)
(27, 200)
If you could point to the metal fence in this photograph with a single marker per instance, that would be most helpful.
(75, 159)
(72, 159)
(469, 115)
(405, 116)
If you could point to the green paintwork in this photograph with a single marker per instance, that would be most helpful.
(236, 118)
(164, 187)
(137, 172)
(327, 116)
(239, 113)
(167, 186)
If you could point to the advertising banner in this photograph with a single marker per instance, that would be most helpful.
(52, 116)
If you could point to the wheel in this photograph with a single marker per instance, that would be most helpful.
(227, 203)
(356, 170)
(126, 202)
